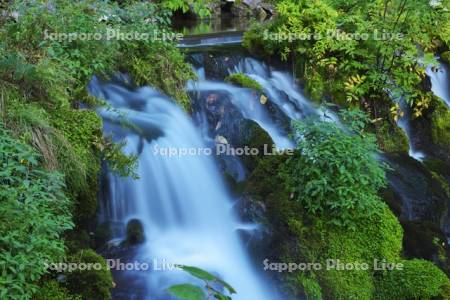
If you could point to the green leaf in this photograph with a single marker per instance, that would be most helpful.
(187, 292)
(204, 275)
(199, 273)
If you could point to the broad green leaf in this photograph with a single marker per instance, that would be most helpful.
(187, 292)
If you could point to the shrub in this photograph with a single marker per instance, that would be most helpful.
(335, 173)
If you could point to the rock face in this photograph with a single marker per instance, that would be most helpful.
(422, 196)
(256, 236)
(252, 8)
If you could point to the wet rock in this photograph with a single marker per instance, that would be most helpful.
(256, 236)
(135, 232)
(423, 239)
(432, 131)
(268, 8)
(420, 194)
(106, 231)
(445, 56)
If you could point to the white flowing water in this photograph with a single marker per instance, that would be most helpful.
(250, 107)
(404, 123)
(181, 201)
(280, 90)
(440, 82)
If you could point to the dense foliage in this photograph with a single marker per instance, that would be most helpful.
(335, 173)
(34, 212)
(48, 54)
(359, 53)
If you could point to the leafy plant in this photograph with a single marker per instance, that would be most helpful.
(189, 291)
(335, 173)
(34, 212)
(199, 7)
(356, 50)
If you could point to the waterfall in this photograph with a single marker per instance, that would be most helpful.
(250, 107)
(280, 90)
(184, 207)
(404, 123)
(440, 82)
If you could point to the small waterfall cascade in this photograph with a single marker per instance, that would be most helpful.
(440, 82)
(280, 90)
(404, 122)
(184, 207)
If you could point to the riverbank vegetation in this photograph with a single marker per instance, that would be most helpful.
(51, 142)
(324, 204)
(360, 54)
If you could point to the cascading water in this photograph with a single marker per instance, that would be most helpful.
(404, 123)
(440, 82)
(280, 90)
(181, 201)
(248, 104)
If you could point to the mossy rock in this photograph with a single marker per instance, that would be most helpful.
(135, 232)
(256, 138)
(93, 283)
(419, 279)
(52, 290)
(445, 56)
(391, 138)
(378, 237)
(243, 80)
(80, 159)
(440, 125)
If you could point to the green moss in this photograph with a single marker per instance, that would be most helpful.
(147, 63)
(79, 157)
(391, 138)
(419, 279)
(302, 237)
(379, 237)
(311, 287)
(256, 138)
(440, 124)
(445, 56)
(90, 284)
(52, 290)
(244, 81)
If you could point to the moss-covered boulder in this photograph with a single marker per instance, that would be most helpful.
(391, 138)
(377, 238)
(135, 232)
(52, 290)
(418, 279)
(445, 56)
(243, 80)
(440, 125)
(92, 279)
(255, 138)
